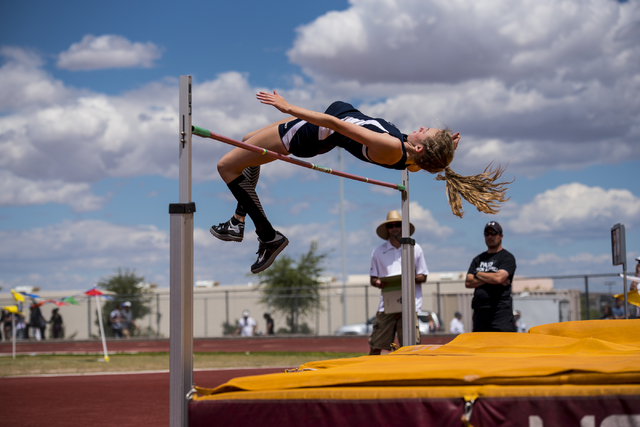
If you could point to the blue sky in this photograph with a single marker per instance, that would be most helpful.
(88, 127)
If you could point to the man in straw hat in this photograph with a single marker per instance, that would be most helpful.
(386, 262)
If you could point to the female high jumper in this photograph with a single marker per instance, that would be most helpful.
(309, 133)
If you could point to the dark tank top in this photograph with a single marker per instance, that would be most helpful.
(347, 112)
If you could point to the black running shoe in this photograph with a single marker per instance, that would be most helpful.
(228, 232)
(267, 252)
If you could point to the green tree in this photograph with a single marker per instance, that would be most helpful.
(293, 288)
(126, 286)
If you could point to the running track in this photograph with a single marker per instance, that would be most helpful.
(128, 399)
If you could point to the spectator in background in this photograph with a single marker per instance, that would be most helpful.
(491, 274)
(607, 313)
(56, 324)
(21, 327)
(456, 326)
(634, 285)
(269, 321)
(5, 319)
(116, 321)
(520, 325)
(618, 310)
(246, 326)
(433, 328)
(37, 321)
(386, 261)
(128, 326)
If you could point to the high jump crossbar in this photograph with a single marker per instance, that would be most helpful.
(208, 134)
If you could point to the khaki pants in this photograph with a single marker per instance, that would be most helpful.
(385, 329)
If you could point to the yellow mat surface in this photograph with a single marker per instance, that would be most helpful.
(571, 358)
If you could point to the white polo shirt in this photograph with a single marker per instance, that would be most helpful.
(246, 326)
(386, 260)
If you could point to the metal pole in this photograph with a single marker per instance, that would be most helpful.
(295, 323)
(13, 334)
(624, 283)
(329, 309)
(205, 318)
(366, 304)
(104, 342)
(586, 292)
(408, 270)
(158, 315)
(181, 272)
(150, 317)
(438, 302)
(343, 244)
(89, 317)
(226, 305)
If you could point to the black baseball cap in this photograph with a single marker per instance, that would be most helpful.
(494, 226)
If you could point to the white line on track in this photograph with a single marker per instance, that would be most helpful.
(143, 372)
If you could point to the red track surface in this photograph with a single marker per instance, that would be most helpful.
(98, 400)
(227, 345)
(134, 399)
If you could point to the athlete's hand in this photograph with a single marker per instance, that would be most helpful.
(275, 100)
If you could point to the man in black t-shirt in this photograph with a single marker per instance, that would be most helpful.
(491, 274)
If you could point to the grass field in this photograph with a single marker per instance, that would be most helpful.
(89, 363)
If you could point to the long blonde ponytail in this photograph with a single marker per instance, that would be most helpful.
(481, 190)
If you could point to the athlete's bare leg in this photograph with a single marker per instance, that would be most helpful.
(235, 161)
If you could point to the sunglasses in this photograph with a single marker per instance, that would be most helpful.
(490, 233)
(394, 225)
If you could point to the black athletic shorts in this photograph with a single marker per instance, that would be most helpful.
(301, 139)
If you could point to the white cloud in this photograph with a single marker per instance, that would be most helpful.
(544, 259)
(90, 136)
(80, 241)
(347, 206)
(426, 226)
(23, 84)
(425, 223)
(534, 130)
(20, 192)
(299, 207)
(86, 137)
(543, 85)
(578, 114)
(577, 211)
(108, 51)
(72, 255)
(452, 41)
(579, 263)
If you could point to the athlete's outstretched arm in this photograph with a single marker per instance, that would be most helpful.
(380, 144)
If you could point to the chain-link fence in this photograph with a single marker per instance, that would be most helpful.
(217, 310)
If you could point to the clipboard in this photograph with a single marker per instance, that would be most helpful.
(392, 294)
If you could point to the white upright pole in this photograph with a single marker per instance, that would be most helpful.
(181, 272)
(104, 341)
(343, 244)
(13, 333)
(408, 270)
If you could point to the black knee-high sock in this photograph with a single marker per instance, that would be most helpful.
(251, 174)
(246, 196)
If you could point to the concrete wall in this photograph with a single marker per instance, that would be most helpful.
(216, 305)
